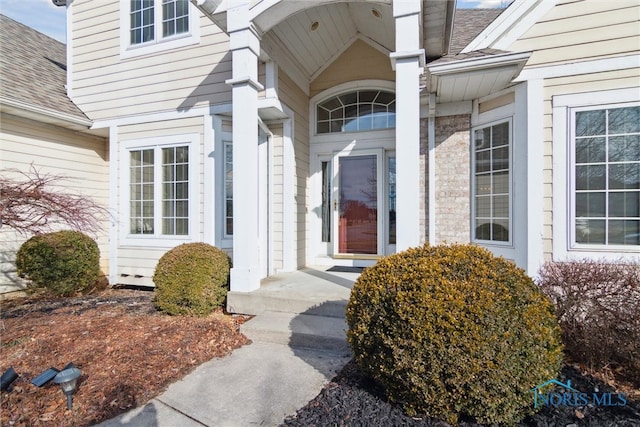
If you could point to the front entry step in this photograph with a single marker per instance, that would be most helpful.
(255, 303)
(307, 291)
(298, 330)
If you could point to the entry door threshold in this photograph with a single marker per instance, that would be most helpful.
(357, 256)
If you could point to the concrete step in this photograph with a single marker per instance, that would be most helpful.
(306, 291)
(298, 330)
(257, 302)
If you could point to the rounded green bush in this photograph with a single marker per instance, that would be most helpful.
(191, 279)
(451, 331)
(64, 262)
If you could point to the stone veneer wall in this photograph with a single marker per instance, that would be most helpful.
(453, 185)
(424, 183)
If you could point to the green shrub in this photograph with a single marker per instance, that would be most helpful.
(452, 331)
(598, 307)
(191, 279)
(64, 262)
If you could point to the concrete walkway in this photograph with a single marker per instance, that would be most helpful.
(298, 345)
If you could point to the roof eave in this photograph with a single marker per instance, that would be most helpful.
(502, 69)
(215, 10)
(510, 25)
(476, 64)
(45, 115)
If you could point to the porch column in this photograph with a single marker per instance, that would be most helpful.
(408, 62)
(245, 48)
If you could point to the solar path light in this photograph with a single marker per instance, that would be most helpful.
(68, 379)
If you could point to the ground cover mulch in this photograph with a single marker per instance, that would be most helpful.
(127, 351)
(353, 399)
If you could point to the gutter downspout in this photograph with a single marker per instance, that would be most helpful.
(431, 135)
(114, 227)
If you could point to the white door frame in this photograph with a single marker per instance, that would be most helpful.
(322, 149)
(335, 202)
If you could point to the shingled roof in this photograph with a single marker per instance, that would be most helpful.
(467, 24)
(33, 70)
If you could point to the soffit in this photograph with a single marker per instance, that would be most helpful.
(437, 27)
(312, 38)
(287, 38)
(470, 76)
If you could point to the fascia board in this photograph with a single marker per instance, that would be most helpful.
(215, 10)
(510, 25)
(44, 112)
(474, 64)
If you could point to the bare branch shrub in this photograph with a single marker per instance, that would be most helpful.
(32, 206)
(598, 307)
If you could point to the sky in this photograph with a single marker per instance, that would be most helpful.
(43, 16)
(40, 15)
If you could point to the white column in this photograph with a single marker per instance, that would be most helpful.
(245, 49)
(431, 215)
(528, 211)
(408, 61)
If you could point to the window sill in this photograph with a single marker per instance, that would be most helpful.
(159, 242)
(133, 51)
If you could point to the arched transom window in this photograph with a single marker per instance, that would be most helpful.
(357, 111)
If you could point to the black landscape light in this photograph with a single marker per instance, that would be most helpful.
(7, 378)
(68, 379)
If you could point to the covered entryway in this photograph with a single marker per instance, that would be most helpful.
(352, 204)
(281, 52)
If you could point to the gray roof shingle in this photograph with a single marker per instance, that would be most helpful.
(467, 24)
(33, 69)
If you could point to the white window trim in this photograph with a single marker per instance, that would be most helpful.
(226, 139)
(389, 248)
(340, 89)
(323, 148)
(127, 50)
(158, 240)
(223, 240)
(493, 243)
(562, 109)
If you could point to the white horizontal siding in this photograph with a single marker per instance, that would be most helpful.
(135, 265)
(562, 86)
(582, 30)
(292, 96)
(106, 86)
(277, 222)
(80, 160)
(573, 32)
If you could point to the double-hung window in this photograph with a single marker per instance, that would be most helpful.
(153, 25)
(161, 196)
(492, 183)
(605, 171)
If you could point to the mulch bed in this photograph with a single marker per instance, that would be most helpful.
(353, 399)
(127, 351)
